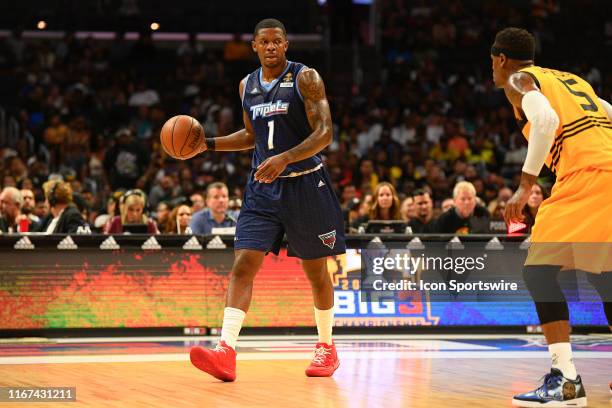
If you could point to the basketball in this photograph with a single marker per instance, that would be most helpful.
(181, 136)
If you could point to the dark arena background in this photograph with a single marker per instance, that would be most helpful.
(116, 258)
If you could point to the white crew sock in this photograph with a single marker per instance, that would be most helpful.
(562, 359)
(325, 322)
(232, 323)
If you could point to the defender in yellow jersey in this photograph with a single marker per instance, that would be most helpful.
(583, 138)
(570, 129)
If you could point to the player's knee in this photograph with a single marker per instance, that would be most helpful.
(549, 312)
(317, 274)
(541, 282)
(318, 278)
(246, 265)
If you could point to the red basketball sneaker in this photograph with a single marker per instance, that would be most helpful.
(325, 361)
(219, 362)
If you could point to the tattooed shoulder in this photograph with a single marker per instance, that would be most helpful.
(518, 85)
(311, 84)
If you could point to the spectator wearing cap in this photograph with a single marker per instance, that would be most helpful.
(63, 217)
(216, 214)
(131, 208)
(466, 217)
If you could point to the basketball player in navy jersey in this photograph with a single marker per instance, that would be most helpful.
(287, 120)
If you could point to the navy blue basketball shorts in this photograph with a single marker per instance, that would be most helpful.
(303, 207)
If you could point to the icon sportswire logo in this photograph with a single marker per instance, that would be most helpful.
(329, 239)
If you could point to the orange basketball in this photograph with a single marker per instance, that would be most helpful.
(181, 137)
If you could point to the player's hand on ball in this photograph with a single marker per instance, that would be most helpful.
(271, 168)
(515, 205)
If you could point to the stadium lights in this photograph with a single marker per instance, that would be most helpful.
(154, 26)
(41, 25)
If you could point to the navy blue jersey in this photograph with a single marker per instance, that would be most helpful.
(277, 114)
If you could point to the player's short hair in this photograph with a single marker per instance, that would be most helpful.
(269, 23)
(515, 43)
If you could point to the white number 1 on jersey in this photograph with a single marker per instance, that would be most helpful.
(271, 135)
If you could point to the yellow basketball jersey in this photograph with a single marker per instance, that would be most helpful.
(584, 136)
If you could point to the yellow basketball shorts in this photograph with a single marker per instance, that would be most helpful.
(573, 227)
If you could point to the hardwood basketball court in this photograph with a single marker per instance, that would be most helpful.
(375, 371)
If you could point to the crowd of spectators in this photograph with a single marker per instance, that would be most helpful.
(430, 133)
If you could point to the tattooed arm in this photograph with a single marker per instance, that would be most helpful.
(317, 110)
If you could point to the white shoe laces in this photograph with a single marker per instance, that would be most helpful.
(219, 347)
(320, 355)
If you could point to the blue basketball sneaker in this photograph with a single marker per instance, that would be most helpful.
(557, 391)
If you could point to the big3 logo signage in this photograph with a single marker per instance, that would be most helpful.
(354, 307)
